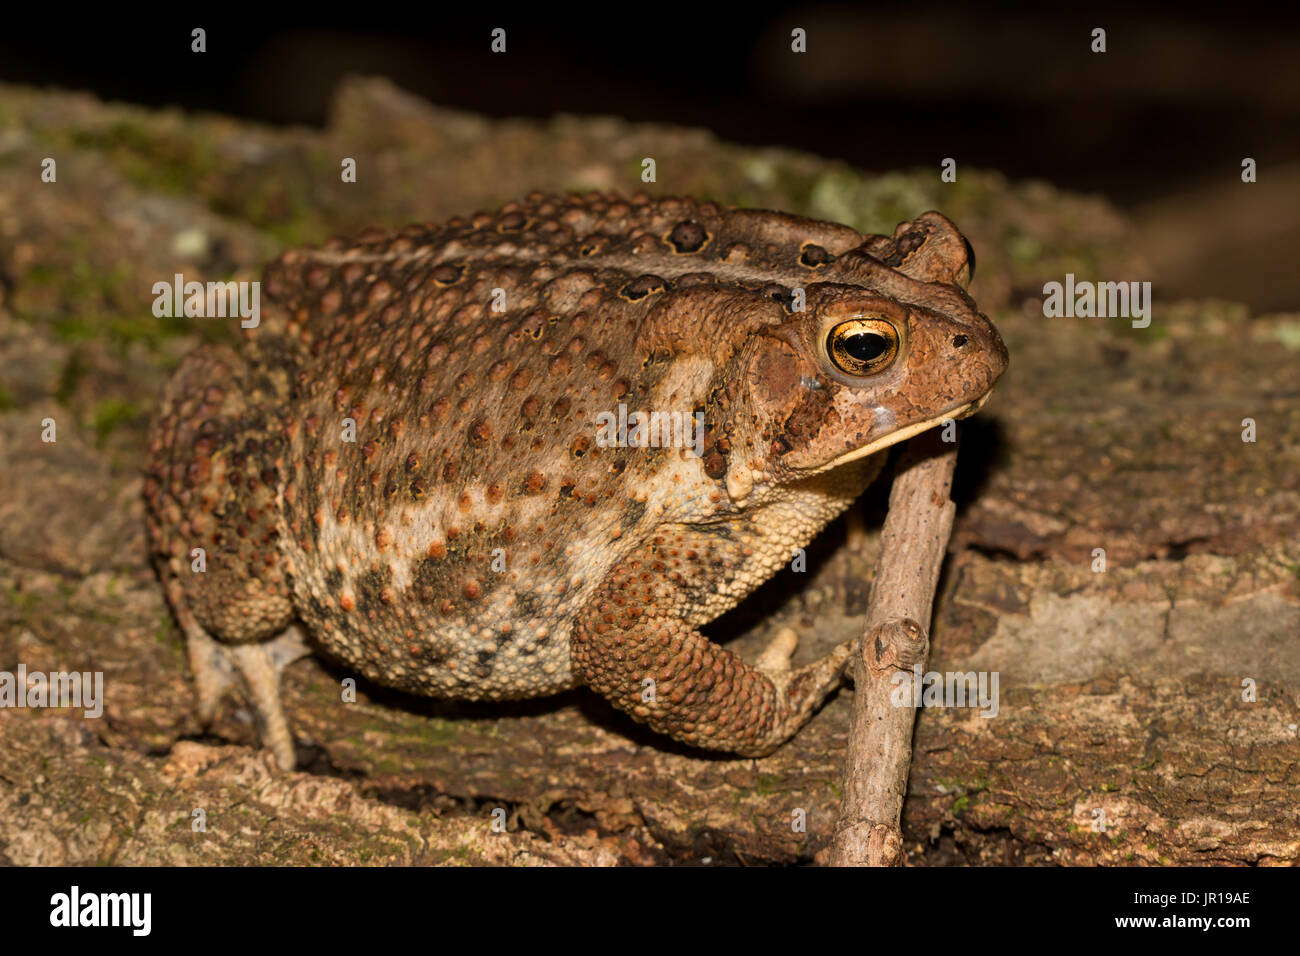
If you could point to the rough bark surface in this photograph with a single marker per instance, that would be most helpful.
(1161, 692)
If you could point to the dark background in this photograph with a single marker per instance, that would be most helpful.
(1165, 116)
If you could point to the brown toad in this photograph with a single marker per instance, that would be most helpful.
(413, 455)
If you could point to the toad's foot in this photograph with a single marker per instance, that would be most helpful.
(775, 660)
(253, 668)
(776, 657)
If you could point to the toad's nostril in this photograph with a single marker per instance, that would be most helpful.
(958, 341)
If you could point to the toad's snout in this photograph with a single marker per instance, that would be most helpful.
(983, 356)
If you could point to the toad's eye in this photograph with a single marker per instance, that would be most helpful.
(862, 346)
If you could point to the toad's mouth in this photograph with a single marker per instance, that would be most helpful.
(965, 410)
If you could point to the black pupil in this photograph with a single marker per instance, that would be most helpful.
(865, 346)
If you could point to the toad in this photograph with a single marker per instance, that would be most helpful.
(408, 463)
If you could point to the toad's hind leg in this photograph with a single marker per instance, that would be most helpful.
(216, 454)
(253, 669)
(634, 644)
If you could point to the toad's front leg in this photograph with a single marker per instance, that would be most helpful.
(633, 647)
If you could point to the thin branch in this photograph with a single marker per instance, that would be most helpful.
(896, 639)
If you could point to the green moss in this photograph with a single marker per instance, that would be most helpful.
(23, 601)
(154, 161)
(120, 331)
(73, 369)
(306, 231)
(165, 633)
(1155, 332)
(1023, 248)
(111, 413)
(186, 161)
(439, 732)
(835, 196)
(795, 187)
(1288, 333)
(280, 207)
(963, 786)
(41, 274)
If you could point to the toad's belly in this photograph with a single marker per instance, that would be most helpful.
(511, 642)
(410, 605)
(453, 659)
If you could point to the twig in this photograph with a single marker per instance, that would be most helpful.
(896, 638)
